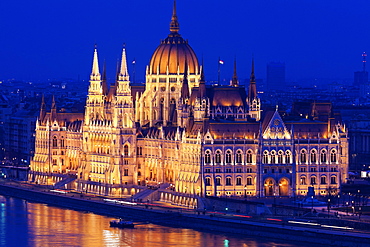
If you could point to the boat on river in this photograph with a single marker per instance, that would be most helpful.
(121, 224)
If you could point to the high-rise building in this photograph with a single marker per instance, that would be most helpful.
(179, 133)
(275, 76)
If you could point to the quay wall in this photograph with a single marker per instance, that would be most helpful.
(193, 221)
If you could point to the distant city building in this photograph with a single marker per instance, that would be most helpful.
(358, 123)
(192, 139)
(19, 137)
(360, 78)
(275, 76)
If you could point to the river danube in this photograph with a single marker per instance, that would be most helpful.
(24, 223)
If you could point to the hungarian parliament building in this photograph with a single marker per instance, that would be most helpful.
(181, 135)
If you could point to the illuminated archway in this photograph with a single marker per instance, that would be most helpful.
(284, 187)
(270, 187)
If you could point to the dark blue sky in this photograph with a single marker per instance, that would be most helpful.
(55, 38)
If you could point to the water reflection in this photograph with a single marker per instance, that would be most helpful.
(32, 224)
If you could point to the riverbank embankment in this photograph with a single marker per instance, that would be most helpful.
(177, 217)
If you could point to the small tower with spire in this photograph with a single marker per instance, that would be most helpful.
(124, 107)
(95, 98)
(202, 101)
(174, 25)
(42, 109)
(234, 81)
(254, 103)
(53, 115)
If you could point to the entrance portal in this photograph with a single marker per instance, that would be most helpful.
(284, 187)
(269, 187)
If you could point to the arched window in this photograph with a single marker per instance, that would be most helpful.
(303, 156)
(228, 181)
(218, 156)
(303, 181)
(333, 156)
(333, 180)
(249, 156)
(287, 157)
(208, 181)
(228, 157)
(55, 142)
(238, 181)
(280, 157)
(323, 180)
(207, 157)
(313, 156)
(62, 142)
(218, 181)
(249, 181)
(313, 180)
(273, 157)
(125, 150)
(323, 156)
(239, 156)
(265, 157)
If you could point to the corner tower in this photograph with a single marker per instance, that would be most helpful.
(165, 75)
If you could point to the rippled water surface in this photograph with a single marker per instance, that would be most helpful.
(25, 223)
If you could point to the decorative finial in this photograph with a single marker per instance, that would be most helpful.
(174, 26)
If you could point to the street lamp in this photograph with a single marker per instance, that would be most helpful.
(245, 191)
(274, 204)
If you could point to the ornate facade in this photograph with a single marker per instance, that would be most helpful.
(197, 139)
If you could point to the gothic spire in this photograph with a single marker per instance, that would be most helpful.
(104, 79)
(123, 74)
(202, 83)
(234, 81)
(95, 74)
(174, 26)
(53, 109)
(252, 92)
(253, 77)
(43, 108)
(185, 85)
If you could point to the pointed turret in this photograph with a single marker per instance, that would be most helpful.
(104, 80)
(202, 84)
(253, 100)
(42, 109)
(234, 81)
(53, 109)
(252, 92)
(185, 84)
(123, 74)
(174, 26)
(95, 74)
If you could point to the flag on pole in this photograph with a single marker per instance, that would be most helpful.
(221, 61)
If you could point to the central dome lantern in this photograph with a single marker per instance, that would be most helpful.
(172, 52)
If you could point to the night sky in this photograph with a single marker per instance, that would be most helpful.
(54, 39)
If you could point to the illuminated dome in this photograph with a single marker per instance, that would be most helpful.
(173, 51)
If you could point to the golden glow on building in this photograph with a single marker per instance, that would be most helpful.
(181, 135)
